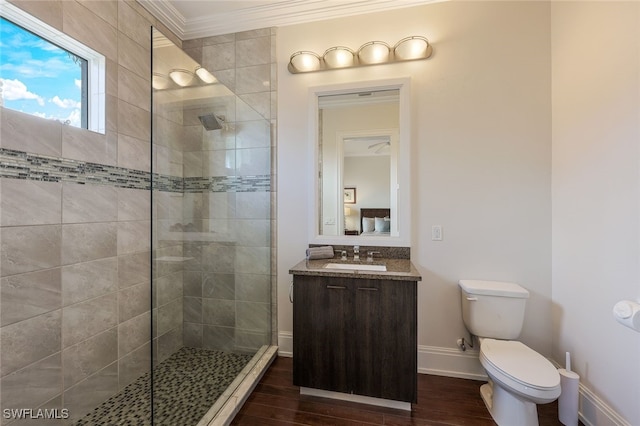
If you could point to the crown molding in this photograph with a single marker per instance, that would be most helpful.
(276, 14)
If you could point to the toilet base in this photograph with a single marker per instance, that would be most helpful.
(508, 409)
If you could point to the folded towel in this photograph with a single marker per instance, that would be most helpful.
(324, 252)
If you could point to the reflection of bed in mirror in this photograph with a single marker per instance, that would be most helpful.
(375, 222)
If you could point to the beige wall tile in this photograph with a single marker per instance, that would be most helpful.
(170, 316)
(253, 51)
(112, 78)
(253, 161)
(169, 343)
(89, 203)
(29, 202)
(33, 385)
(168, 288)
(84, 242)
(133, 301)
(134, 57)
(48, 11)
(219, 56)
(29, 341)
(111, 108)
(133, 121)
(134, 25)
(134, 153)
(25, 132)
(134, 333)
(253, 134)
(85, 145)
(87, 280)
(106, 9)
(28, 295)
(133, 204)
(30, 248)
(88, 357)
(219, 39)
(254, 106)
(252, 79)
(86, 319)
(133, 268)
(246, 35)
(134, 365)
(134, 236)
(91, 392)
(134, 89)
(90, 29)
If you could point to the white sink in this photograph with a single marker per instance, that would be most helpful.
(355, 267)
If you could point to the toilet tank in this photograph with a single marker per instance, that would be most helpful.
(493, 309)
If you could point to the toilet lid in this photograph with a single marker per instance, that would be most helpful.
(521, 363)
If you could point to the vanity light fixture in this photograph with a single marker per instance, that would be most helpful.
(181, 77)
(374, 52)
(204, 75)
(338, 57)
(411, 48)
(371, 53)
(304, 62)
(160, 82)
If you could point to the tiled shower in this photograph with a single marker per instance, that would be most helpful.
(120, 249)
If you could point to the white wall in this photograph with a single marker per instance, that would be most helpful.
(596, 229)
(482, 168)
(480, 148)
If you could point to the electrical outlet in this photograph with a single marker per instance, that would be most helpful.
(436, 233)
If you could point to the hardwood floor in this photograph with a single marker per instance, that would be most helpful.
(441, 401)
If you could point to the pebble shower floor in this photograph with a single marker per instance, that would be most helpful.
(185, 386)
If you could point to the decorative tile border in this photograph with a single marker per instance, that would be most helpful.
(260, 183)
(22, 165)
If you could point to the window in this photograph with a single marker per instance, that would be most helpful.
(45, 73)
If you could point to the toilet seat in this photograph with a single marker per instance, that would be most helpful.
(520, 368)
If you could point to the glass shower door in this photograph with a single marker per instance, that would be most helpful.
(211, 237)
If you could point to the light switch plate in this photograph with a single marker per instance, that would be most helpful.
(436, 233)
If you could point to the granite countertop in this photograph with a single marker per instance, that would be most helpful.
(397, 269)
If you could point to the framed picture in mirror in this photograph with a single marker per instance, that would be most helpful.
(349, 195)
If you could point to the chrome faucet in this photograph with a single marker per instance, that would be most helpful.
(370, 255)
(356, 252)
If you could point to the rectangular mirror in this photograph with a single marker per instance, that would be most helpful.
(361, 165)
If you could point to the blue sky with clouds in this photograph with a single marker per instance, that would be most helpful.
(38, 77)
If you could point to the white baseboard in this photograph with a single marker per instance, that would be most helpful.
(595, 412)
(285, 344)
(452, 362)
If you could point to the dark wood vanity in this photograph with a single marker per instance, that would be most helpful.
(355, 332)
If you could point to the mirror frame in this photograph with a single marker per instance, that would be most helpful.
(404, 162)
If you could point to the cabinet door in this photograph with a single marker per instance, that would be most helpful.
(321, 322)
(385, 357)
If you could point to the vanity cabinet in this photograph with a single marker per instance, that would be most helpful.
(356, 335)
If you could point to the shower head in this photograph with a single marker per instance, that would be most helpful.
(211, 122)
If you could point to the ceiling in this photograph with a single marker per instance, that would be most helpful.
(190, 19)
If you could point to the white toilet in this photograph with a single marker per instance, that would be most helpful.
(519, 377)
